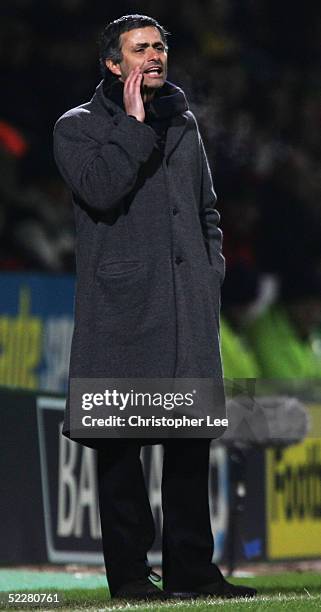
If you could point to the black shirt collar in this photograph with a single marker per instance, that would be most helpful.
(168, 102)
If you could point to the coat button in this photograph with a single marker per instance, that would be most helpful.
(175, 211)
(178, 260)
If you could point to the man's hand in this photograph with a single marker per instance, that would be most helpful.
(133, 101)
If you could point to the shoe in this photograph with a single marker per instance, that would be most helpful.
(142, 588)
(220, 588)
(155, 579)
(226, 590)
(182, 594)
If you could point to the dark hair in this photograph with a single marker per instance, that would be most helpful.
(109, 42)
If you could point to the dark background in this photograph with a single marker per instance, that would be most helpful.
(250, 69)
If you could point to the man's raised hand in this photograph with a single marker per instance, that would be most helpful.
(133, 101)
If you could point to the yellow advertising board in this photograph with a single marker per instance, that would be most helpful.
(293, 497)
(21, 345)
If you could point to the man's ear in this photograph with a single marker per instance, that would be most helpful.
(114, 68)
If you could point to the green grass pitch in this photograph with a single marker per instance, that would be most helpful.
(291, 591)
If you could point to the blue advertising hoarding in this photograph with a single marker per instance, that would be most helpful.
(36, 324)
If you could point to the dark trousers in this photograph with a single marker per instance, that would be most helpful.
(128, 529)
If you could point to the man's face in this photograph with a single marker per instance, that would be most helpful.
(145, 48)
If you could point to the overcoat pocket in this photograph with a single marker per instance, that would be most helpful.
(123, 284)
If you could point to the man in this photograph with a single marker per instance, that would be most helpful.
(149, 269)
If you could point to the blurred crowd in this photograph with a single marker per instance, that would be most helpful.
(250, 69)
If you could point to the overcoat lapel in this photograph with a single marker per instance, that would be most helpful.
(177, 125)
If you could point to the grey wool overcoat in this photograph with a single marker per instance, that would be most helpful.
(148, 247)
